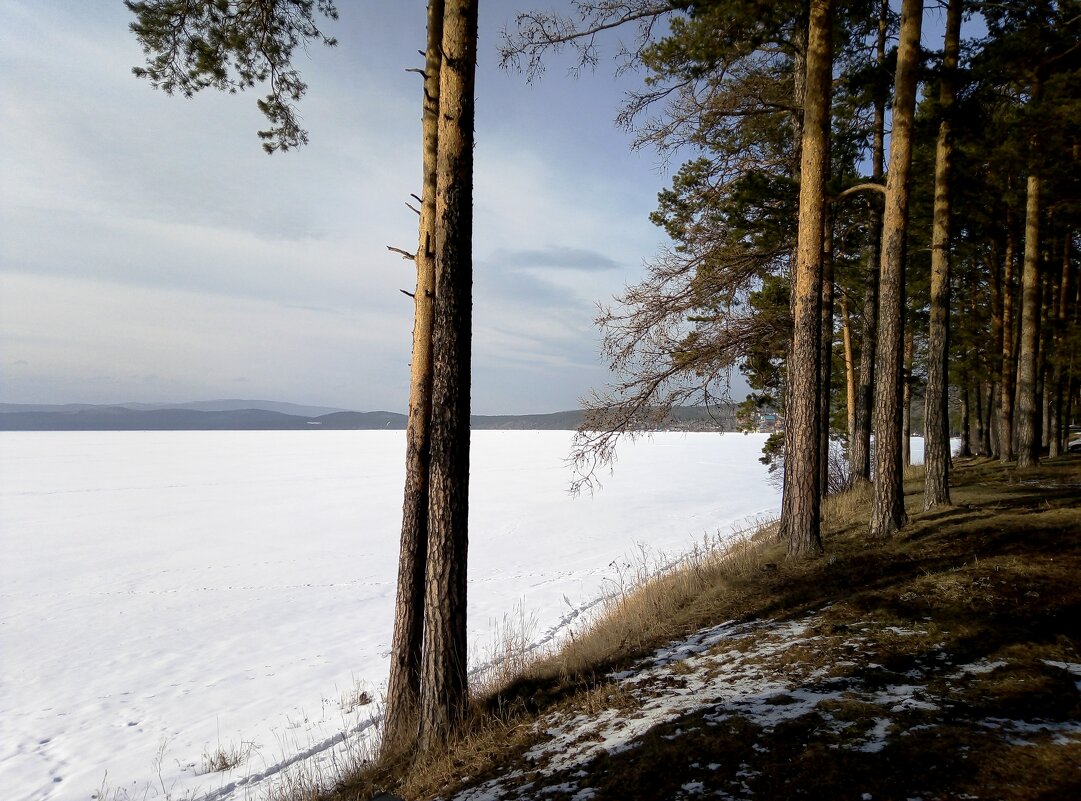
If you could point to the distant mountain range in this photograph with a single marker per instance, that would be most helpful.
(251, 415)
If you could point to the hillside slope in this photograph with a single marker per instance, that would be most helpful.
(945, 663)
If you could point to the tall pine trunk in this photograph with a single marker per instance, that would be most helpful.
(936, 426)
(802, 508)
(1008, 379)
(888, 507)
(1028, 431)
(850, 372)
(826, 351)
(443, 671)
(1058, 441)
(403, 685)
(906, 399)
(860, 444)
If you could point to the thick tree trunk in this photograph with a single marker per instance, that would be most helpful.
(403, 684)
(1007, 382)
(799, 93)
(936, 425)
(888, 507)
(1028, 439)
(443, 674)
(802, 520)
(860, 444)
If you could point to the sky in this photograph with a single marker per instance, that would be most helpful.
(150, 251)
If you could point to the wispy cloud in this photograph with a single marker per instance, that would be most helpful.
(560, 258)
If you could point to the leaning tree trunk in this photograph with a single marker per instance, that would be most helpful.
(1028, 433)
(936, 424)
(443, 693)
(888, 502)
(802, 510)
(860, 444)
(403, 684)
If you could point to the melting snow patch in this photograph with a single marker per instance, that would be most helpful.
(979, 668)
(693, 787)
(876, 739)
(1072, 668)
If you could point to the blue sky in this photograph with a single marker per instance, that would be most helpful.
(150, 251)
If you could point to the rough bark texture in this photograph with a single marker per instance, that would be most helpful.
(1006, 384)
(799, 93)
(403, 684)
(443, 674)
(860, 444)
(936, 410)
(1028, 436)
(801, 519)
(887, 507)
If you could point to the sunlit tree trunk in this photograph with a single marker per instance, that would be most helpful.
(936, 426)
(443, 667)
(403, 684)
(802, 520)
(887, 506)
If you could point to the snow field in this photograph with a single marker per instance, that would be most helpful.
(166, 595)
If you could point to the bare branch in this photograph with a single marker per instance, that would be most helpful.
(405, 254)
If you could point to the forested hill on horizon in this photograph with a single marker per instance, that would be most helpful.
(275, 416)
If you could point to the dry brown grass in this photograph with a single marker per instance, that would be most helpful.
(993, 577)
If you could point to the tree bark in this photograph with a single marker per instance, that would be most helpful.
(936, 426)
(850, 371)
(444, 685)
(888, 507)
(403, 684)
(1028, 432)
(986, 447)
(1007, 382)
(801, 525)
(1057, 441)
(860, 445)
(906, 399)
(966, 422)
(826, 350)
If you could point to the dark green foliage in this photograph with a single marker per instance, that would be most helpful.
(231, 45)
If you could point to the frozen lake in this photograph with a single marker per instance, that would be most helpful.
(164, 594)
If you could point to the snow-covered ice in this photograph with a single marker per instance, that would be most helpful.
(167, 594)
